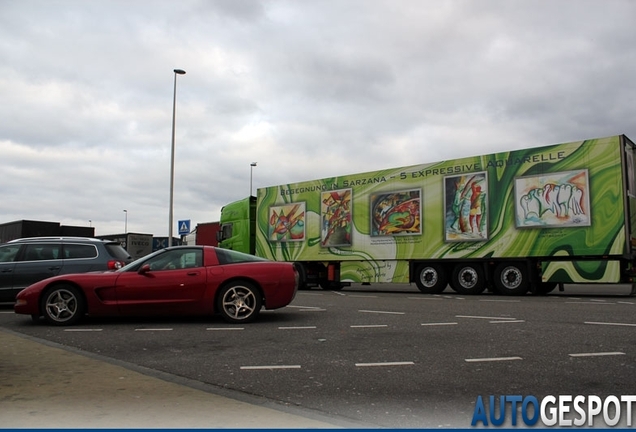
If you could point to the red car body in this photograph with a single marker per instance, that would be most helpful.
(183, 280)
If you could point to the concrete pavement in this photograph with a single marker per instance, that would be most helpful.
(48, 386)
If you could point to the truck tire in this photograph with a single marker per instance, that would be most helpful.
(512, 279)
(430, 278)
(302, 276)
(468, 279)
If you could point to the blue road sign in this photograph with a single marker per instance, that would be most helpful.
(184, 227)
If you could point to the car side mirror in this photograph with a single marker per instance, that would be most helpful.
(144, 269)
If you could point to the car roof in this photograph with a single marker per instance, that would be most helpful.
(45, 239)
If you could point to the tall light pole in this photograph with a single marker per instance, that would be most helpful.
(174, 111)
(252, 165)
(125, 221)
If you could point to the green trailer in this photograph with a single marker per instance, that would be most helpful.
(514, 222)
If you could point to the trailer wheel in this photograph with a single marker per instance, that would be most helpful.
(302, 276)
(430, 278)
(468, 279)
(511, 279)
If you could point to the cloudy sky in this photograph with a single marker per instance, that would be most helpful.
(307, 89)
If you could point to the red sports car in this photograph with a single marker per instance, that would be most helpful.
(182, 280)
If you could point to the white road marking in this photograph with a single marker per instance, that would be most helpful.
(588, 303)
(406, 363)
(506, 321)
(609, 323)
(596, 354)
(7, 312)
(424, 298)
(363, 296)
(624, 302)
(492, 359)
(369, 326)
(382, 312)
(296, 328)
(303, 307)
(439, 324)
(83, 330)
(154, 329)
(485, 317)
(270, 367)
(225, 328)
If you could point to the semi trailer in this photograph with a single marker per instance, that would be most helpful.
(525, 220)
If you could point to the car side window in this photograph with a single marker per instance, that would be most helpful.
(41, 252)
(72, 251)
(176, 259)
(8, 253)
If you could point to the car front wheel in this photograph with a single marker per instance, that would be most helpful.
(63, 305)
(239, 302)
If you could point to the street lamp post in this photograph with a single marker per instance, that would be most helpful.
(174, 110)
(125, 221)
(252, 165)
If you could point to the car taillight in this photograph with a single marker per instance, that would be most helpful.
(115, 265)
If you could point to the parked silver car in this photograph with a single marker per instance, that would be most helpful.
(29, 260)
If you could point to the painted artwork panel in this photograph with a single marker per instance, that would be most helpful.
(336, 218)
(466, 207)
(396, 213)
(287, 222)
(553, 200)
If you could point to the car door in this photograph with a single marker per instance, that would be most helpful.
(8, 255)
(170, 283)
(36, 262)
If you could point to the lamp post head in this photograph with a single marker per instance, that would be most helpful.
(253, 164)
(179, 71)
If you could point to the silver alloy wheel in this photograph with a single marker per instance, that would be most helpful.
(62, 306)
(239, 302)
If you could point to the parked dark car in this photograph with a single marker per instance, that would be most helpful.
(181, 280)
(29, 260)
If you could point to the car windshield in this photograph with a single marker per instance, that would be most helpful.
(134, 266)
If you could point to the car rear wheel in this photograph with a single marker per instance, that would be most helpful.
(63, 305)
(239, 302)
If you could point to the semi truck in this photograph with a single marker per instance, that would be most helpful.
(514, 222)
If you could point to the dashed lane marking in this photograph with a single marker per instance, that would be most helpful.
(405, 363)
(492, 359)
(153, 329)
(270, 367)
(506, 321)
(297, 328)
(369, 326)
(610, 323)
(381, 312)
(84, 330)
(224, 328)
(439, 324)
(597, 354)
(485, 317)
